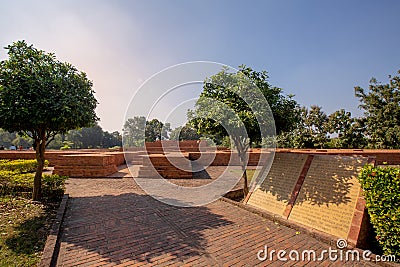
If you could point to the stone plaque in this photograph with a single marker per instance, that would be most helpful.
(275, 191)
(329, 194)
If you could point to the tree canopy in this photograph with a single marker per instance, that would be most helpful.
(41, 97)
(224, 87)
(138, 130)
(381, 105)
(185, 132)
(242, 105)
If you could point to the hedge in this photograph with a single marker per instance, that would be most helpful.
(16, 178)
(381, 187)
(20, 165)
(17, 184)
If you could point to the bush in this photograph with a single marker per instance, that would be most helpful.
(21, 184)
(381, 187)
(20, 166)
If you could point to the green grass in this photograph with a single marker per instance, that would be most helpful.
(24, 226)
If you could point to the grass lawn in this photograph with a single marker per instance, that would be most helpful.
(25, 224)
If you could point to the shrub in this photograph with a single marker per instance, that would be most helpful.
(381, 187)
(20, 166)
(53, 186)
(19, 184)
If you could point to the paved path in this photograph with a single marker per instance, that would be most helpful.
(112, 222)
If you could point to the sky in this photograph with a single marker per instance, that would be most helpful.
(317, 50)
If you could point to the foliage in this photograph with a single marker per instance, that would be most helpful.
(222, 86)
(8, 139)
(39, 93)
(21, 184)
(156, 130)
(111, 140)
(315, 129)
(349, 130)
(87, 137)
(65, 147)
(381, 187)
(310, 132)
(185, 132)
(24, 226)
(137, 130)
(381, 105)
(236, 105)
(41, 97)
(133, 131)
(283, 107)
(20, 166)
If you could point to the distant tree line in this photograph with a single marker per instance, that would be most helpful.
(87, 137)
(138, 130)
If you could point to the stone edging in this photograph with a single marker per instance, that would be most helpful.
(320, 236)
(50, 251)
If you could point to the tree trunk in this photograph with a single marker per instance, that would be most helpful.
(40, 146)
(245, 183)
(242, 148)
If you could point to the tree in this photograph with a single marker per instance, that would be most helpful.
(6, 138)
(156, 130)
(349, 130)
(91, 137)
(133, 132)
(184, 133)
(112, 139)
(315, 122)
(233, 103)
(310, 132)
(24, 141)
(41, 97)
(381, 105)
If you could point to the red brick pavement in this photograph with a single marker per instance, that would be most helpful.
(112, 222)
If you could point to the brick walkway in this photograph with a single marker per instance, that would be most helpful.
(112, 222)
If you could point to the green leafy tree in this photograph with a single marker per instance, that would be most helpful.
(112, 139)
(184, 133)
(133, 132)
(315, 122)
(57, 142)
(349, 130)
(6, 138)
(381, 105)
(311, 130)
(156, 130)
(41, 97)
(241, 95)
(24, 141)
(91, 137)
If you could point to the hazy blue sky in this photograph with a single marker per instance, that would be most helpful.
(317, 50)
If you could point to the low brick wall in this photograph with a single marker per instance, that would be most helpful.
(389, 156)
(175, 166)
(87, 165)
